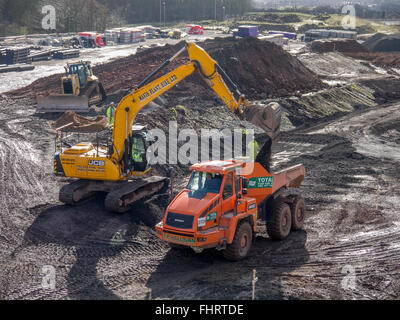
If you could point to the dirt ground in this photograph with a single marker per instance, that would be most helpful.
(352, 230)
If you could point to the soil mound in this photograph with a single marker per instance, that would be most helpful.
(72, 122)
(381, 42)
(340, 45)
(380, 59)
(260, 69)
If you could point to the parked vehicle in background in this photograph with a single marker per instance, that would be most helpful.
(194, 29)
(91, 39)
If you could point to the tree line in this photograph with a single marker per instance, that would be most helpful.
(22, 17)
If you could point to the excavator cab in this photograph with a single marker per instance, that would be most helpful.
(137, 146)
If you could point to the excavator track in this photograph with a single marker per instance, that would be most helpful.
(75, 192)
(120, 199)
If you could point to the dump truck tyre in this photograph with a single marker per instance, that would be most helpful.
(241, 244)
(298, 209)
(279, 227)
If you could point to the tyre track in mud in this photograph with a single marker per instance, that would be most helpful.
(366, 237)
(343, 228)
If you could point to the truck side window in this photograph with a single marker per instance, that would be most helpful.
(228, 188)
(237, 185)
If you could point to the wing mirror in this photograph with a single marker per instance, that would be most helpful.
(245, 183)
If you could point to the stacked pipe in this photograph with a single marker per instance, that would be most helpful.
(2, 56)
(42, 55)
(66, 54)
(17, 55)
(16, 68)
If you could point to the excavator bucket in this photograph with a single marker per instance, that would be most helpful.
(267, 117)
(63, 103)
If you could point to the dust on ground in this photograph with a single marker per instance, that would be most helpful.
(351, 188)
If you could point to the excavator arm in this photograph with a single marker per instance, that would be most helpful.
(200, 60)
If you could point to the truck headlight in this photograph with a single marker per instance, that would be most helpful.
(201, 222)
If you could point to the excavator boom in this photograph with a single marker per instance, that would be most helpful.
(120, 169)
(266, 117)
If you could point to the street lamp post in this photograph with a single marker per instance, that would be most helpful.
(160, 13)
(223, 16)
(164, 13)
(215, 11)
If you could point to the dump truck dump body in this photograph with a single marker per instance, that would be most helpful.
(200, 219)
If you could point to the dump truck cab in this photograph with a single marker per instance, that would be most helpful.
(222, 202)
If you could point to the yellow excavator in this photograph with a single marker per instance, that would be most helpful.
(78, 86)
(113, 169)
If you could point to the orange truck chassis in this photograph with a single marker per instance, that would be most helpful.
(222, 203)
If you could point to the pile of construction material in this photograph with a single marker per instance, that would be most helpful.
(339, 45)
(246, 31)
(112, 35)
(317, 34)
(66, 54)
(15, 59)
(131, 35)
(288, 35)
(278, 39)
(44, 55)
(2, 56)
(17, 55)
(16, 68)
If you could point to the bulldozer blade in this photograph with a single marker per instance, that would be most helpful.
(267, 117)
(63, 103)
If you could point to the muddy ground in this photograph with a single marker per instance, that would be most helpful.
(352, 192)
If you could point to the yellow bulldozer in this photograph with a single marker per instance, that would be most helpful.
(78, 87)
(120, 168)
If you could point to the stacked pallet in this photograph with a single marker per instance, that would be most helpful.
(138, 35)
(66, 54)
(125, 36)
(111, 35)
(17, 55)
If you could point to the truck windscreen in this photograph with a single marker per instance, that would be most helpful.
(205, 182)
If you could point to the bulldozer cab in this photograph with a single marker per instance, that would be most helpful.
(82, 71)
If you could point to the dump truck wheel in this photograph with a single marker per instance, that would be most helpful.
(298, 209)
(281, 223)
(241, 244)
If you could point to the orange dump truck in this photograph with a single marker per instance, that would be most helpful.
(222, 202)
